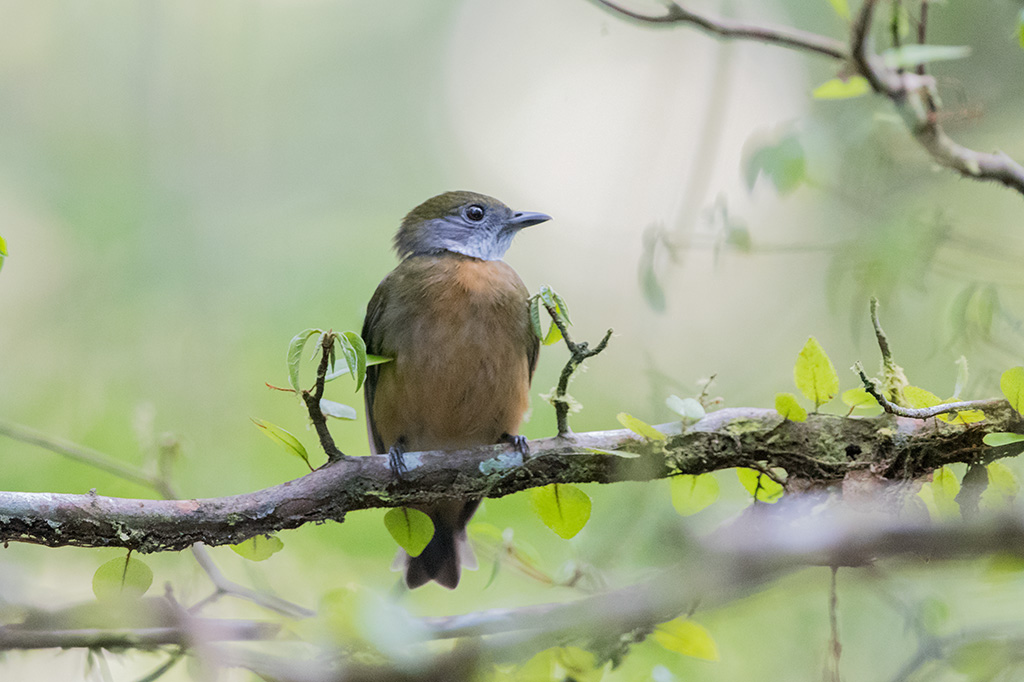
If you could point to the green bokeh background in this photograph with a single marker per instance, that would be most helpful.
(184, 186)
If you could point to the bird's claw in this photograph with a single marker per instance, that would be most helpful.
(396, 461)
(520, 443)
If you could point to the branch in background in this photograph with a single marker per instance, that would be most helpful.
(911, 93)
(739, 437)
(726, 28)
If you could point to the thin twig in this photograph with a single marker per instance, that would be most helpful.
(578, 352)
(785, 37)
(312, 400)
(919, 412)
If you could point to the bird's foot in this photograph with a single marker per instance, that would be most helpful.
(396, 460)
(520, 443)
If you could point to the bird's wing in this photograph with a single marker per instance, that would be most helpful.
(371, 337)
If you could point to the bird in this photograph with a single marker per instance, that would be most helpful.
(454, 319)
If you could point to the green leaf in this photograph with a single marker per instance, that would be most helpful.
(295, 347)
(814, 374)
(639, 427)
(613, 453)
(842, 9)
(3, 252)
(687, 638)
(939, 496)
(837, 88)
(789, 408)
(563, 508)
(918, 398)
(329, 408)
(859, 399)
(370, 361)
(687, 408)
(562, 307)
(1001, 438)
(761, 487)
(554, 335)
(961, 377)
(1002, 488)
(411, 529)
(780, 160)
(1011, 383)
(123, 576)
(691, 494)
(1020, 29)
(283, 438)
(353, 349)
(259, 548)
(538, 330)
(909, 56)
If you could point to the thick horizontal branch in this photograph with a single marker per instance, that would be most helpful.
(819, 451)
(207, 630)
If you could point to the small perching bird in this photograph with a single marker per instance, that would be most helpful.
(454, 319)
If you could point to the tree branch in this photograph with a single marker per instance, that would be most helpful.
(910, 92)
(724, 439)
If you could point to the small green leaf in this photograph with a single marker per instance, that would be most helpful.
(787, 406)
(962, 417)
(1012, 385)
(613, 453)
(639, 427)
(687, 638)
(961, 377)
(329, 408)
(761, 487)
(295, 347)
(1002, 488)
(123, 576)
(562, 307)
(687, 408)
(356, 365)
(842, 8)
(343, 370)
(284, 438)
(939, 496)
(1020, 29)
(563, 508)
(1001, 438)
(837, 88)
(691, 494)
(259, 548)
(780, 159)
(814, 374)
(859, 399)
(919, 398)
(909, 56)
(554, 335)
(411, 529)
(3, 252)
(538, 330)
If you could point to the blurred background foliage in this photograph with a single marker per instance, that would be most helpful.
(184, 186)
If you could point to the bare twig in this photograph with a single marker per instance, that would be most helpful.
(726, 28)
(578, 352)
(917, 412)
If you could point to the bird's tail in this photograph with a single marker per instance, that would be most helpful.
(448, 552)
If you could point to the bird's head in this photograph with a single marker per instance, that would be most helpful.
(463, 222)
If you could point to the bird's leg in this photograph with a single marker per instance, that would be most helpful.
(520, 443)
(396, 458)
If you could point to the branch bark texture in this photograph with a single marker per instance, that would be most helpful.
(820, 451)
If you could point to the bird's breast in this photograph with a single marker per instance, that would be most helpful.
(459, 332)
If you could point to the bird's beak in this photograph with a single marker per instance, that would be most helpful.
(527, 218)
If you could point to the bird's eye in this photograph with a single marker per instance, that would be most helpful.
(474, 213)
